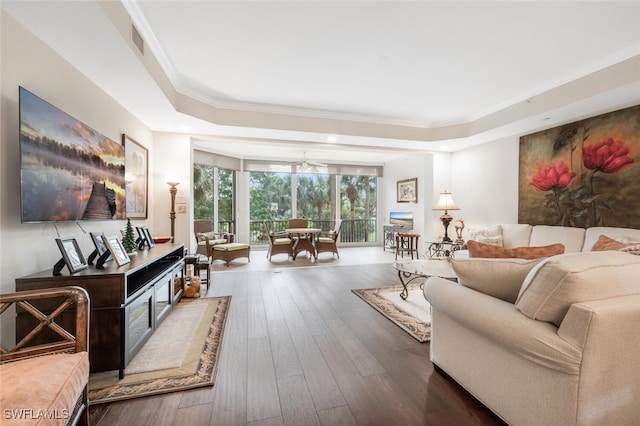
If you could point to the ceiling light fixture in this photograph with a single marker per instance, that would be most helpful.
(331, 139)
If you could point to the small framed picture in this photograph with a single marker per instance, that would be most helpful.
(149, 238)
(71, 254)
(98, 242)
(407, 190)
(117, 251)
(142, 238)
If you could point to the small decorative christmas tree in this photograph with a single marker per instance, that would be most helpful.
(129, 239)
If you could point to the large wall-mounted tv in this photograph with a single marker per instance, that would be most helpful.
(404, 219)
(68, 171)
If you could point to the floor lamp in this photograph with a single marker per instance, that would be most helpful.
(172, 214)
(445, 202)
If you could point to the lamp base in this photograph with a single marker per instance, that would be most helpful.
(446, 220)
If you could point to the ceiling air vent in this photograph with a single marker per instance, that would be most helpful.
(137, 39)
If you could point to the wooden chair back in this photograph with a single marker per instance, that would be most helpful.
(200, 226)
(298, 223)
(57, 301)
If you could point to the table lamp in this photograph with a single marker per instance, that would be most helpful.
(445, 202)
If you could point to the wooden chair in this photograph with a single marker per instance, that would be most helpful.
(277, 244)
(29, 362)
(327, 242)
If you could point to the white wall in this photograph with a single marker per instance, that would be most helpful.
(485, 184)
(172, 157)
(483, 181)
(433, 171)
(26, 61)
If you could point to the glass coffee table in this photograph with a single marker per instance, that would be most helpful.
(410, 270)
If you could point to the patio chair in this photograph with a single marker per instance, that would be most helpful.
(277, 243)
(327, 242)
(206, 239)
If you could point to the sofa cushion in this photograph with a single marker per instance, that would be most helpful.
(516, 234)
(230, 247)
(501, 278)
(556, 283)
(572, 238)
(49, 382)
(477, 249)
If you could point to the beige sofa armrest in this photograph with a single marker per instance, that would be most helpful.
(501, 322)
(579, 324)
(607, 330)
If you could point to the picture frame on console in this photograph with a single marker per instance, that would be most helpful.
(137, 182)
(98, 242)
(72, 255)
(149, 238)
(407, 190)
(144, 237)
(116, 249)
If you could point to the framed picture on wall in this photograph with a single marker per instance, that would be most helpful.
(407, 190)
(136, 169)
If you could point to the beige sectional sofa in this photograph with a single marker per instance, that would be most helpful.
(553, 341)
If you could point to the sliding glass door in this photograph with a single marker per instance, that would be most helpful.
(214, 195)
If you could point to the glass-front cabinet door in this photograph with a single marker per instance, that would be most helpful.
(139, 322)
(164, 293)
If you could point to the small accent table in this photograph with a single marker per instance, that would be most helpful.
(442, 249)
(199, 263)
(304, 239)
(409, 270)
(407, 243)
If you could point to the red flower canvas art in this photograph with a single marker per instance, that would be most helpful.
(583, 174)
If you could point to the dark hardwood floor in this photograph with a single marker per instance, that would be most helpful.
(301, 349)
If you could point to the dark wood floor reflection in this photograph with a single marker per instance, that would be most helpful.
(300, 349)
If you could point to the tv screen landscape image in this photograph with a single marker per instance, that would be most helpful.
(68, 170)
(404, 219)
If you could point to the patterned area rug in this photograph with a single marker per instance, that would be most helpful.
(412, 315)
(181, 354)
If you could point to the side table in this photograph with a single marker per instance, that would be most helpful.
(199, 263)
(407, 243)
(442, 249)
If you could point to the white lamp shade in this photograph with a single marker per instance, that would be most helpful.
(445, 202)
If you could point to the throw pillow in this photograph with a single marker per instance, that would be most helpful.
(203, 236)
(477, 249)
(500, 278)
(633, 249)
(606, 243)
(560, 281)
(492, 241)
(492, 235)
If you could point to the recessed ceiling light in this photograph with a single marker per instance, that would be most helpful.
(331, 138)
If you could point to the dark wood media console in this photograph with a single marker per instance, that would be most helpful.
(127, 302)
